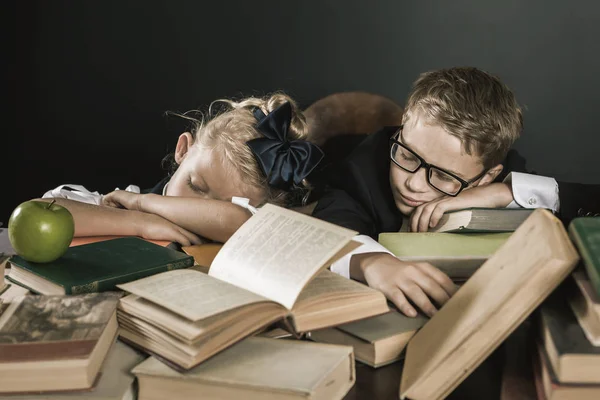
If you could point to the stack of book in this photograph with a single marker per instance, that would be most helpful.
(567, 357)
(461, 241)
(212, 328)
(499, 296)
(273, 269)
(192, 322)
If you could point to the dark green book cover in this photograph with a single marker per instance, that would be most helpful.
(585, 233)
(100, 266)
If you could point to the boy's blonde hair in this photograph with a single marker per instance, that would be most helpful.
(229, 128)
(472, 105)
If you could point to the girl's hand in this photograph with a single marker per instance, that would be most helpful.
(151, 226)
(494, 195)
(123, 199)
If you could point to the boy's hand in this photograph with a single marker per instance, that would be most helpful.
(151, 226)
(401, 281)
(123, 199)
(494, 195)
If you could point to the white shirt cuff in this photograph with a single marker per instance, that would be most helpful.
(533, 191)
(342, 266)
(81, 194)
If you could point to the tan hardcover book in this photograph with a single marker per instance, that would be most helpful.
(586, 305)
(55, 343)
(457, 254)
(488, 307)
(377, 341)
(116, 382)
(12, 291)
(255, 368)
(548, 387)
(482, 220)
(3, 261)
(572, 357)
(273, 267)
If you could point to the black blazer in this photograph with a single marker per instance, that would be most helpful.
(359, 196)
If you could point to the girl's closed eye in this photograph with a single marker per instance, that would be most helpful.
(194, 188)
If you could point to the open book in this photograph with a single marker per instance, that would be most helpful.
(273, 267)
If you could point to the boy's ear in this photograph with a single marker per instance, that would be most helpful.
(183, 145)
(491, 175)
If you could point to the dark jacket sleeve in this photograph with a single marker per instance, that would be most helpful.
(336, 206)
(576, 199)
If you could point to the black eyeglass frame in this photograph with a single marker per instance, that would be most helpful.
(422, 163)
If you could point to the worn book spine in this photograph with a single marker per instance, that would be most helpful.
(110, 283)
(585, 233)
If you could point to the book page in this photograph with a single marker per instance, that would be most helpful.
(190, 293)
(277, 251)
(327, 282)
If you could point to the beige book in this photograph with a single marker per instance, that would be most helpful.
(255, 368)
(488, 307)
(477, 219)
(115, 382)
(459, 255)
(273, 267)
(377, 341)
(586, 305)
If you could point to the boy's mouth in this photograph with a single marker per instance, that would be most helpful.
(409, 201)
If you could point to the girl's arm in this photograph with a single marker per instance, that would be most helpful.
(93, 220)
(213, 219)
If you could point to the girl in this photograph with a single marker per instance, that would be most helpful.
(252, 153)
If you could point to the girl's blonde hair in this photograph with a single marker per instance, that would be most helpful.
(230, 125)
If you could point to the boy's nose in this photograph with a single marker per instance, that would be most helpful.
(417, 182)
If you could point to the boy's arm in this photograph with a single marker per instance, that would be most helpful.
(402, 282)
(213, 219)
(517, 190)
(93, 220)
(533, 191)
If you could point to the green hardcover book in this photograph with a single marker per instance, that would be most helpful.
(97, 267)
(585, 233)
(479, 219)
(459, 255)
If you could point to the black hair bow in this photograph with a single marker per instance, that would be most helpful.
(284, 163)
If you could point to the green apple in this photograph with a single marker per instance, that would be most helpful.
(39, 231)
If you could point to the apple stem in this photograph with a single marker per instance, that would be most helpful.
(50, 205)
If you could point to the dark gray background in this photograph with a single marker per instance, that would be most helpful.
(92, 79)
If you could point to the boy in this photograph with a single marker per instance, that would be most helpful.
(458, 127)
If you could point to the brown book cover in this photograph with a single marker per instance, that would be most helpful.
(59, 336)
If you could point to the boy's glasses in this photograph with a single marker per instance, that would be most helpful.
(440, 179)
